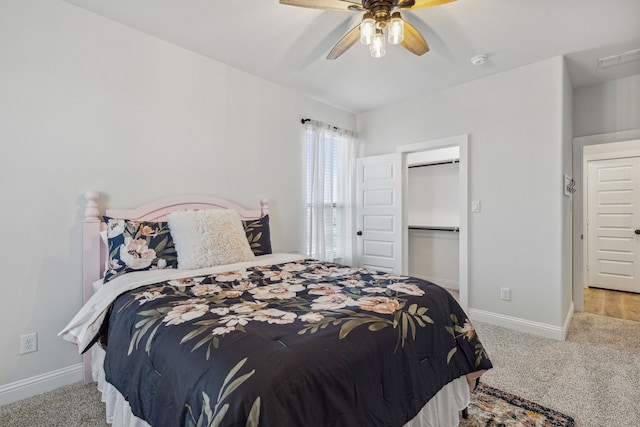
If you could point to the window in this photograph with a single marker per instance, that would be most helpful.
(330, 166)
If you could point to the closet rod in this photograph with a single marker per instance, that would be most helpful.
(420, 227)
(448, 162)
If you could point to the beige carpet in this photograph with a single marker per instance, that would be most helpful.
(76, 405)
(594, 377)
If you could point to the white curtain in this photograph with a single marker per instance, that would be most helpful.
(331, 166)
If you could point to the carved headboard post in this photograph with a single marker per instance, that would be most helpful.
(91, 211)
(91, 247)
(91, 243)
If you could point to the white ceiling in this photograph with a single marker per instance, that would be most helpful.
(288, 45)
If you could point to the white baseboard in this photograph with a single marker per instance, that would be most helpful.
(445, 283)
(43, 383)
(522, 325)
(567, 321)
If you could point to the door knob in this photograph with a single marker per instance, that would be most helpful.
(359, 233)
(637, 231)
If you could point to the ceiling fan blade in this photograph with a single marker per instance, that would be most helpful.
(413, 40)
(345, 43)
(421, 4)
(343, 5)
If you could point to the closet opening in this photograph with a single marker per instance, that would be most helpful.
(435, 210)
(433, 219)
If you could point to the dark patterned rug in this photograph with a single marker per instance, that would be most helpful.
(491, 407)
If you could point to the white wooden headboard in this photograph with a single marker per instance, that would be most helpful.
(95, 252)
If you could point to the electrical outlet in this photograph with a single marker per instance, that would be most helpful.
(505, 294)
(28, 343)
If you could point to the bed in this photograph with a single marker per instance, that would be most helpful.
(241, 336)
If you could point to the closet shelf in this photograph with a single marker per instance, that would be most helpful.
(435, 227)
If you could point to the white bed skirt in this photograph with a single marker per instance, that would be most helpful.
(118, 410)
(441, 411)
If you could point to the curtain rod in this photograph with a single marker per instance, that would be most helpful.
(303, 121)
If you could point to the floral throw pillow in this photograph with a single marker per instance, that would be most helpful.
(137, 246)
(258, 235)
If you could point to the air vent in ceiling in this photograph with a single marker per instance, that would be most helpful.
(623, 58)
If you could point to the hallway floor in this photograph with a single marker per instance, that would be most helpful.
(621, 305)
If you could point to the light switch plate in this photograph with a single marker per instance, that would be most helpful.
(475, 206)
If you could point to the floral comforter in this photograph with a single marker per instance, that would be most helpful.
(300, 343)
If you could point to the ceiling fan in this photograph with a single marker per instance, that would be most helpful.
(380, 16)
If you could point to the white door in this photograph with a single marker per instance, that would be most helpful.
(379, 213)
(613, 224)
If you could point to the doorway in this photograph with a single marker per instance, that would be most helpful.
(585, 149)
(459, 144)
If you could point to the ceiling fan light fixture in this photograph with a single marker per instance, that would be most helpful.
(377, 47)
(381, 23)
(367, 29)
(395, 29)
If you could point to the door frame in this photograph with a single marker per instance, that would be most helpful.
(462, 142)
(589, 144)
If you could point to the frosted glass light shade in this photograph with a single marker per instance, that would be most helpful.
(377, 47)
(395, 32)
(367, 29)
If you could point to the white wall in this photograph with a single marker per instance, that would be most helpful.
(514, 120)
(607, 107)
(432, 195)
(434, 256)
(87, 103)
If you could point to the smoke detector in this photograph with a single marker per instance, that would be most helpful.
(479, 60)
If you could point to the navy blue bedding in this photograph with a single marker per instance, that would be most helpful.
(296, 344)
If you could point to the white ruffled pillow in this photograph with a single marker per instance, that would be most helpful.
(208, 237)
